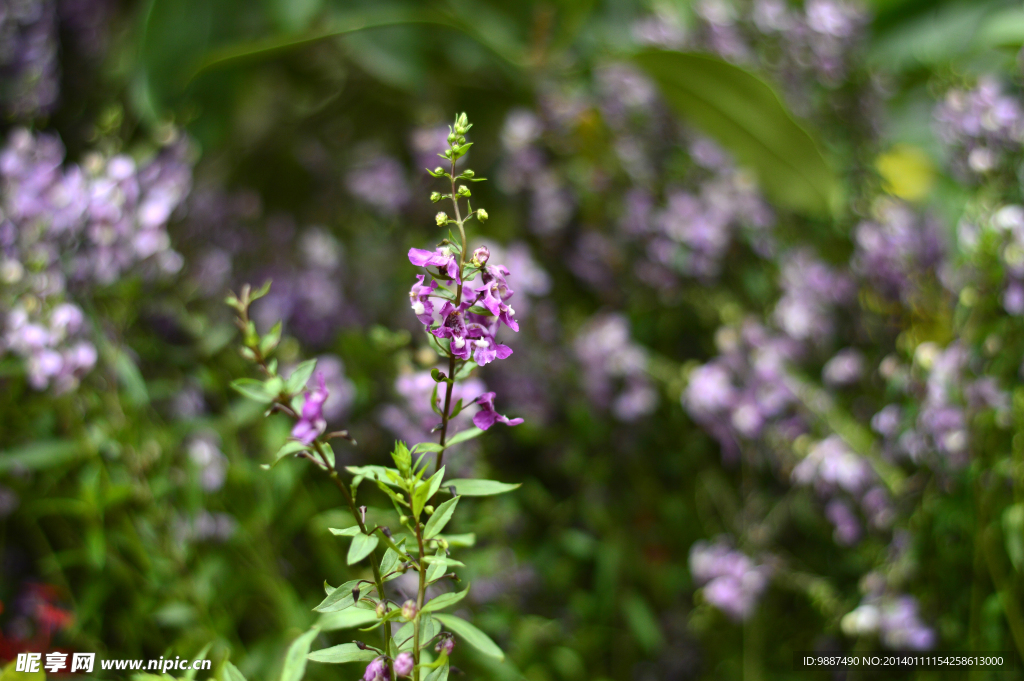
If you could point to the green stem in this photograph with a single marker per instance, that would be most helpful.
(374, 561)
(420, 597)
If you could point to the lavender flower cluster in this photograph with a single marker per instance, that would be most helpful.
(29, 59)
(63, 229)
(814, 40)
(730, 580)
(893, 617)
(615, 367)
(982, 127)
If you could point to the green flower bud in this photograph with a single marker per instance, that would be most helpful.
(461, 124)
(467, 173)
(435, 197)
(429, 510)
(452, 138)
(382, 609)
(441, 219)
(464, 190)
(409, 610)
(438, 170)
(481, 215)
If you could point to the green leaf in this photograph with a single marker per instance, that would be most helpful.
(643, 623)
(229, 672)
(465, 435)
(297, 381)
(480, 488)
(443, 560)
(465, 370)
(389, 564)
(471, 635)
(745, 115)
(1013, 530)
(190, 675)
(402, 458)
(463, 540)
(346, 652)
(346, 619)
(252, 389)
(347, 532)
(40, 455)
(426, 447)
(434, 483)
(439, 674)
(340, 598)
(361, 547)
(429, 629)
(379, 473)
(437, 569)
(444, 600)
(442, 514)
(295, 659)
(270, 341)
(290, 447)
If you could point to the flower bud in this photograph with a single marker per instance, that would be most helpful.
(467, 173)
(435, 197)
(404, 664)
(464, 190)
(438, 170)
(461, 124)
(452, 138)
(382, 609)
(481, 256)
(429, 510)
(481, 215)
(409, 610)
(441, 218)
(376, 670)
(445, 645)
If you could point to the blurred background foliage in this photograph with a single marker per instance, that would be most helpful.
(137, 520)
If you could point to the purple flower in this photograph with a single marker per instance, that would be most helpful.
(487, 416)
(495, 293)
(484, 347)
(404, 664)
(312, 422)
(377, 671)
(445, 645)
(443, 259)
(419, 297)
(732, 582)
(454, 328)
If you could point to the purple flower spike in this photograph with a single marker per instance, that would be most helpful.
(312, 422)
(487, 416)
(377, 671)
(403, 664)
(419, 298)
(441, 258)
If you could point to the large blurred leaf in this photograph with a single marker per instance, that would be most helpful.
(39, 455)
(745, 115)
(932, 38)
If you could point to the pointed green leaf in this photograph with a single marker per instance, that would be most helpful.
(460, 540)
(346, 619)
(290, 447)
(361, 547)
(436, 569)
(471, 635)
(340, 598)
(295, 659)
(465, 435)
(347, 532)
(379, 473)
(479, 488)
(444, 600)
(442, 514)
(253, 389)
(229, 672)
(439, 674)
(300, 377)
(426, 447)
(346, 652)
(745, 115)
